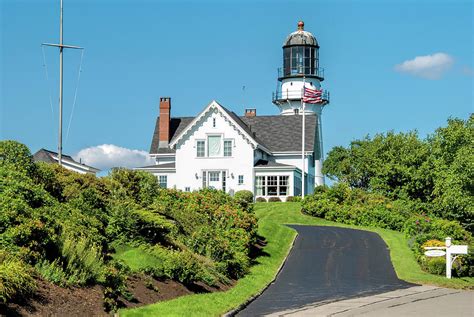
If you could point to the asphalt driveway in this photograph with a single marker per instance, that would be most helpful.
(328, 264)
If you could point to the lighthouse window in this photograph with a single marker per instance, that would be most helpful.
(300, 60)
(286, 60)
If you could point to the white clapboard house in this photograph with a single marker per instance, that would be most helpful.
(220, 149)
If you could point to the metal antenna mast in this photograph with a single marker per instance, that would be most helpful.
(61, 47)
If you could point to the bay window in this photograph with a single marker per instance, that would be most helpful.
(272, 185)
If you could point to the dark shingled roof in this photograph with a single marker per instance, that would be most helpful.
(47, 156)
(277, 133)
(176, 126)
(283, 133)
(265, 163)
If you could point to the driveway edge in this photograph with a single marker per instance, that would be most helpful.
(233, 312)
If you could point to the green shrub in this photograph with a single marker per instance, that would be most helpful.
(52, 271)
(318, 205)
(261, 200)
(274, 199)
(140, 186)
(83, 261)
(433, 265)
(16, 157)
(245, 199)
(15, 278)
(294, 199)
(114, 282)
(183, 266)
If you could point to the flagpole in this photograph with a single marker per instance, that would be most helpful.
(302, 141)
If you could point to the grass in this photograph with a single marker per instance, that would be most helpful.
(272, 217)
(135, 258)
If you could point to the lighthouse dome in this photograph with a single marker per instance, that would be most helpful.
(301, 37)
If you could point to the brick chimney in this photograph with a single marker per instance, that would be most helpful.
(165, 112)
(251, 112)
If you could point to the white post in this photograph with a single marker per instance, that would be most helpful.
(448, 257)
(302, 143)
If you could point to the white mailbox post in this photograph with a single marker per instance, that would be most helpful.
(449, 251)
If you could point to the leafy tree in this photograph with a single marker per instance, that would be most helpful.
(16, 156)
(453, 162)
(437, 173)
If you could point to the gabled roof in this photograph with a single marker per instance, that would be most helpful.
(177, 125)
(228, 115)
(47, 156)
(275, 133)
(283, 133)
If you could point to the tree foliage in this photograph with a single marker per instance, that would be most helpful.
(437, 172)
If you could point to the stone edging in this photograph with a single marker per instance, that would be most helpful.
(233, 312)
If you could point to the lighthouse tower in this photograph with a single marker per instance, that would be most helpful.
(301, 69)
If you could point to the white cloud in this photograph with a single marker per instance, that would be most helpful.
(106, 156)
(428, 66)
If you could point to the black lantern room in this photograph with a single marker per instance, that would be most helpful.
(301, 55)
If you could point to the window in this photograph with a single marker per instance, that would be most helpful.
(213, 122)
(214, 176)
(272, 185)
(187, 189)
(200, 149)
(228, 148)
(260, 185)
(214, 145)
(241, 179)
(224, 179)
(283, 185)
(163, 180)
(204, 179)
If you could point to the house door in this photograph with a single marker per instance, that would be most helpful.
(215, 180)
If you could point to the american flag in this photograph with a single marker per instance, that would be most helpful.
(312, 95)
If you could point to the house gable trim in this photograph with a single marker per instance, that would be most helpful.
(216, 107)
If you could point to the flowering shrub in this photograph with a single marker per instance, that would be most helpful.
(65, 226)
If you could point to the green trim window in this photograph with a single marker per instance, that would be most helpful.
(163, 181)
(200, 148)
(227, 147)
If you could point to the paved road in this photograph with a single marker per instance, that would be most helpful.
(328, 264)
(409, 302)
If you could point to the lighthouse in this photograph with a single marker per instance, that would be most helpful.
(301, 70)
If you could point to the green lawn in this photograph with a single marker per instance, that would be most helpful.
(272, 217)
(135, 258)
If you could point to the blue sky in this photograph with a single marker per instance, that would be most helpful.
(194, 52)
